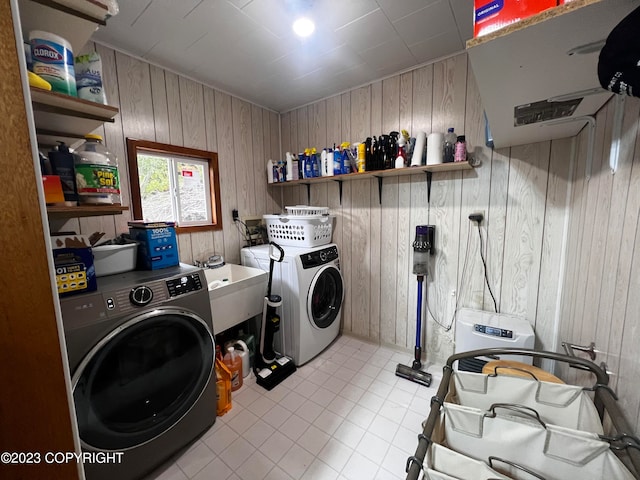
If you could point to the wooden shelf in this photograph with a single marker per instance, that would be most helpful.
(529, 62)
(62, 117)
(73, 20)
(379, 174)
(62, 212)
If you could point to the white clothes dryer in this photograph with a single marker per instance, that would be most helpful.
(312, 289)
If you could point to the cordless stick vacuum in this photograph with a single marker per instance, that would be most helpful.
(422, 247)
(271, 366)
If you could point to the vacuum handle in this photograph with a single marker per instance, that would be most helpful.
(274, 249)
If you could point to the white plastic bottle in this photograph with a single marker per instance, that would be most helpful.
(96, 169)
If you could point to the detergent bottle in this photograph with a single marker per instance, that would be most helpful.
(234, 363)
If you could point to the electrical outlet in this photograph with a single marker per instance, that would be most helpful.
(234, 215)
(477, 216)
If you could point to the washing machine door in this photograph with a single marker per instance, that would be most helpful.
(142, 378)
(326, 293)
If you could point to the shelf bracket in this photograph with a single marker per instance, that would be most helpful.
(339, 189)
(308, 193)
(429, 176)
(379, 189)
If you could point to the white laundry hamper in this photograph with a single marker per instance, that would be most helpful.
(302, 226)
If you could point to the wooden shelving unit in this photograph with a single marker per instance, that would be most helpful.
(532, 61)
(379, 174)
(60, 117)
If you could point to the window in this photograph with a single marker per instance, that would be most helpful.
(170, 183)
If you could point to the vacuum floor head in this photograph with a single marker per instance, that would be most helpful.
(416, 376)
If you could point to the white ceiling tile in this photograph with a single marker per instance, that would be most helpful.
(395, 9)
(463, 13)
(129, 11)
(340, 12)
(247, 48)
(439, 46)
(125, 37)
(386, 57)
(433, 20)
(240, 3)
(221, 19)
(368, 31)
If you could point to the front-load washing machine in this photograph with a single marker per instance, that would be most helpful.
(312, 289)
(141, 353)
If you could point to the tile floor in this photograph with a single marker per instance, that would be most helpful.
(343, 416)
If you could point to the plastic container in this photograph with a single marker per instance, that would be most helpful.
(63, 165)
(299, 231)
(88, 70)
(52, 59)
(234, 363)
(112, 259)
(461, 150)
(223, 386)
(250, 341)
(97, 178)
(450, 140)
(242, 350)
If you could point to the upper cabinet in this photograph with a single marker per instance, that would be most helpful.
(549, 56)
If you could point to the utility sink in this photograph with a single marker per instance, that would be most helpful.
(236, 294)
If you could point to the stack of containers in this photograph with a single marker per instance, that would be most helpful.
(301, 226)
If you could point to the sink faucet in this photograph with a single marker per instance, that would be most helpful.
(214, 261)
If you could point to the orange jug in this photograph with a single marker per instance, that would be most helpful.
(233, 361)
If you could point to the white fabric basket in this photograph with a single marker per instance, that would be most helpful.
(442, 463)
(553, 452)
(299, 230)
(563, 405)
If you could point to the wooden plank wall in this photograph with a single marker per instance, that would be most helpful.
(522, 192)
(602, 278)
(156, 104)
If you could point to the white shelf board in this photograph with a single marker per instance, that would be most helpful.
(65, 118)
(76, 30)
(528, 62)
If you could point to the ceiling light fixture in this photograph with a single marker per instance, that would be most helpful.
(303, 27)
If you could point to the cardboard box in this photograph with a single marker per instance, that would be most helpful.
(493, 15)
(158, 245)
(73, 262)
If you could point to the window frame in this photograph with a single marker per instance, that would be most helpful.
(135, 146)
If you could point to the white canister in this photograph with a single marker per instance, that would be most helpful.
(418, 149)
(52, 59)
(435, 145)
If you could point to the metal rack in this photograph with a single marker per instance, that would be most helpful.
(624, 441)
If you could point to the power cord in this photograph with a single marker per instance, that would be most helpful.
(447, 328)
(484, 264)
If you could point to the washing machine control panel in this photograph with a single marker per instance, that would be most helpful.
(184, 284)
(319, 257)
(139, 296)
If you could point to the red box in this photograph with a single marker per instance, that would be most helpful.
(493, 15)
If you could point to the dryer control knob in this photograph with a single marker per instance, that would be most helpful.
(323, 256)
(141, 296)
